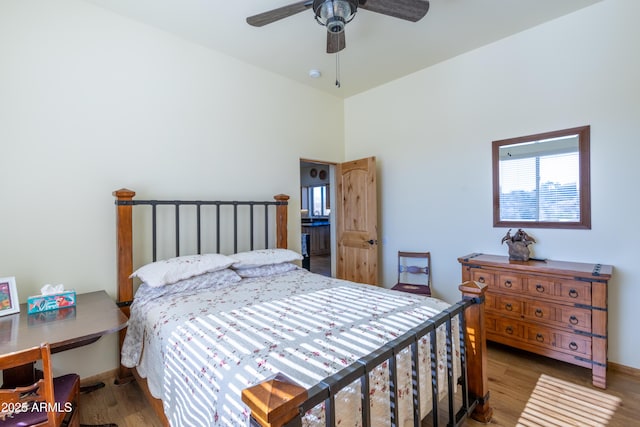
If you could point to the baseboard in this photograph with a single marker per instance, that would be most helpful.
(626, 370)
(104, 377)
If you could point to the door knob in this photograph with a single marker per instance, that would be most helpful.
(372, 242)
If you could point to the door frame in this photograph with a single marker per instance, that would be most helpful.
(332, 201)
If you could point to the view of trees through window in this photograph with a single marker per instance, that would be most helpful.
(542, 188)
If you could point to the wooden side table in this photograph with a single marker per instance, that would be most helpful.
(94, 315)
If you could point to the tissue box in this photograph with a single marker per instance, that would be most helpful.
(39, 303)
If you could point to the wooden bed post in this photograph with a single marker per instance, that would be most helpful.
(274, 402)
(476, 345)
(124, 248)
(281, 221)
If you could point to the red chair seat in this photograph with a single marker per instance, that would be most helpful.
(414, 289)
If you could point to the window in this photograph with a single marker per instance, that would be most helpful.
(543, 180)
(317, 198)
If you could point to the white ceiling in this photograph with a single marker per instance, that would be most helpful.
(379, 48)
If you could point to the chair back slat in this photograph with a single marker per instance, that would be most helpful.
(27, 395)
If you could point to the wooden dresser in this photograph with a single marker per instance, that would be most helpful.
(554, 308)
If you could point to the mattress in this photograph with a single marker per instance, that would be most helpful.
(201, 341)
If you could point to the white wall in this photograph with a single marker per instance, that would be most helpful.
(432, 133)
(91, 102)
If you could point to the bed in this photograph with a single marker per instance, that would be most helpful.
(250, 338)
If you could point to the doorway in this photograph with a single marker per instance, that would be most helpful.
(316, 216)
(339, 218)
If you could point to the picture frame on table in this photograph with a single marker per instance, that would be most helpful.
(9, 302)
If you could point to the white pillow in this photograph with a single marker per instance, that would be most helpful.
(173, 270)
(207, 281)
(262, 257)
(267, 270)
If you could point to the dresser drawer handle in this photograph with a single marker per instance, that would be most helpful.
(509, 330)
(539, 288)
(481, 279)
(573, 320)
(508, 284)
(539, 338)
(508, 307)
(573, 293)
(538, 312)
(573, 346)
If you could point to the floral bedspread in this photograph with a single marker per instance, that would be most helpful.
(199, 343)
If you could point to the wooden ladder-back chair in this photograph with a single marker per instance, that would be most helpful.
(49, 401)
(414, 273)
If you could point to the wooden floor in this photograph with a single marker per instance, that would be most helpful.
(321, 264)
(522, 394)
(530, 390)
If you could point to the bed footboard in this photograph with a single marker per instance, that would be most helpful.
(279, 401)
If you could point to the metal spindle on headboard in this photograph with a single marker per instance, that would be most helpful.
(199, 236)
(235, 228)
(218, 228)
(154, 233)
(177, 229)
(266, 222)
(199, 203)
(251, 226)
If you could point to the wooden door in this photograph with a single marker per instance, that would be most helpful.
(357, 221)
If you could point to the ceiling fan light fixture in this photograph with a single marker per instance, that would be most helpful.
(334, 14)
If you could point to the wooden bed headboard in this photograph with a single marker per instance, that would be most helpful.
(124, 227)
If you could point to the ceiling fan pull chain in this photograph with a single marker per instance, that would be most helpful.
(338, 70)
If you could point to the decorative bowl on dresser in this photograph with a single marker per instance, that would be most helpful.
(554, 308)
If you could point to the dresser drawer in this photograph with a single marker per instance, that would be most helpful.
(508, 305)
(557, 315)
(489, 301)
(575, 292)
(558, 340)
(483, 276)
(575, 344)
(540, 311)
(541, 287)
(568, 291)
(508, 327)
(509, 282)
(500, 281)
(540, 336)
(576, 318)
(491, 323)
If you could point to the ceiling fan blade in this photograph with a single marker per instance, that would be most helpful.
(409, 10)
(335, 42)
(277, 14)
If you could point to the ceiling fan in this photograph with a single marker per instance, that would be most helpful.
(335, 14)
